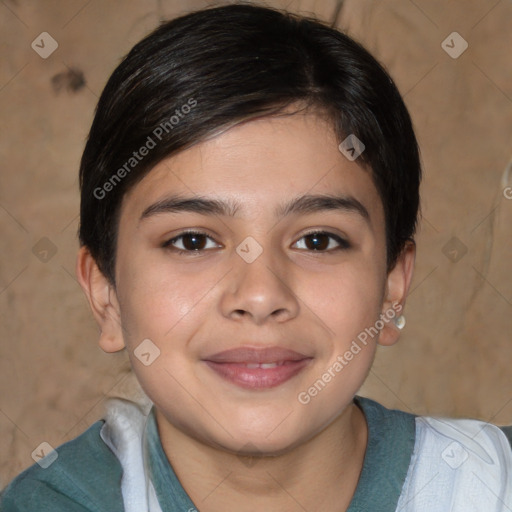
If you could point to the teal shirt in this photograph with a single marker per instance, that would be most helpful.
(86, 477)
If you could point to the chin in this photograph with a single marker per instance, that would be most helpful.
(271, 440)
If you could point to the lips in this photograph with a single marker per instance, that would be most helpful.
(257, 368)
(253, 355)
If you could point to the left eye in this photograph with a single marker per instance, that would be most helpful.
(322, 241)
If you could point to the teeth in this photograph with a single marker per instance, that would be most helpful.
(264, 366)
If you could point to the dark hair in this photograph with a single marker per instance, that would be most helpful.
(220, 66)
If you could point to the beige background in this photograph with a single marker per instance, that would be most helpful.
(455, 353)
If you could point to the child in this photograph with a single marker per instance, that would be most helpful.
(249, 197)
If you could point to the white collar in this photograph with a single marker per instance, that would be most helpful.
(124, 433)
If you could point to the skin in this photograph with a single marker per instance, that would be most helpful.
(234, 448)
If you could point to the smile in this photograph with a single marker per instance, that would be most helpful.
(257, 368)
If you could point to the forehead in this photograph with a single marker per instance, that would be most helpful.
(257, 166)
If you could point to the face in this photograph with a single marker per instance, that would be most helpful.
(285, 267)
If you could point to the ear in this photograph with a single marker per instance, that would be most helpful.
(102, 300)
(397, 287)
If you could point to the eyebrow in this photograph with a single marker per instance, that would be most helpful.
(305, 204)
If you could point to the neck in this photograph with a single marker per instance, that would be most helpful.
(320, 474)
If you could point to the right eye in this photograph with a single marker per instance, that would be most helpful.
(189, 242)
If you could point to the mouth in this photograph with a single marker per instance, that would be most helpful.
(254, 369)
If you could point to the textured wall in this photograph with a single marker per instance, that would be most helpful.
(454, 355)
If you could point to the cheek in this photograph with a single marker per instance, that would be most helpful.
(160, 307)
(347, 299)
(349, 304)
(155, 297)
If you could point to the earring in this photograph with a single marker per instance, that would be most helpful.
(400, 322)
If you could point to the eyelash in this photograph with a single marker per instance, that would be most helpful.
(343, 244)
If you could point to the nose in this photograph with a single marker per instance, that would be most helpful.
(260, 291)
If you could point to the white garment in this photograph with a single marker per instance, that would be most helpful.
(122, 432)
(458, 466)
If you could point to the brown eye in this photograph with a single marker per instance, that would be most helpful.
(190, 241)
(322, 241)
(193, 242)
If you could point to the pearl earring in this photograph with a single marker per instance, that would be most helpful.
(400, 322)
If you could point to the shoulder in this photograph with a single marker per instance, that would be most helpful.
(459, 461)
(85, 476)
